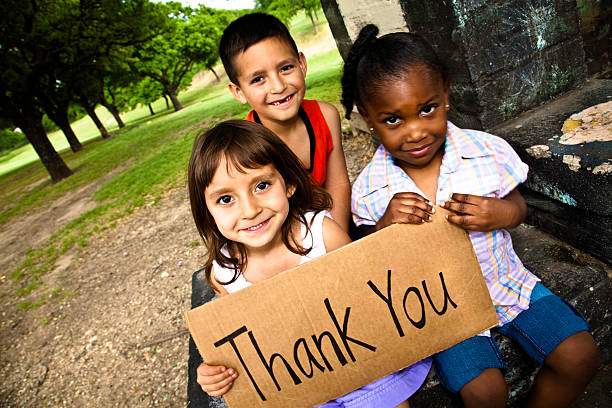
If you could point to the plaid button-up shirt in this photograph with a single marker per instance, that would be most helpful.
(476, 163)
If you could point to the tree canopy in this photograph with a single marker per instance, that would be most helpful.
(187, 37)
(285, 10)
(55, 54)
(47, 47)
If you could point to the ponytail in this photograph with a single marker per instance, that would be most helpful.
(350, 90)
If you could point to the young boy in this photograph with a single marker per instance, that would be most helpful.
(267, 71)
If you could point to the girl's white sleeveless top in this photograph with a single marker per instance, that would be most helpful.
(312, 240)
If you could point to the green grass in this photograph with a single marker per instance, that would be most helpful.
(133, 168)
(323, 79)
(301, 27)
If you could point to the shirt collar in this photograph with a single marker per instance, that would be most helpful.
(460, 144)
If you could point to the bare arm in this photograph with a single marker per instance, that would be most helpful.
(220, 291)
(216, 380)
(334, 236)
(337, 182)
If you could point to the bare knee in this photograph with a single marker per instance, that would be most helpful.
(575, 358)
(489, 389)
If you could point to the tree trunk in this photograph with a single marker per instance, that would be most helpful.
(217, 79)
(92, 114)
(114, 111)
(57, 110)
(314, 24)
(175, 102)
(151, 109)
(112, 108)
(166, 99)
(31, 125)
(61, 120)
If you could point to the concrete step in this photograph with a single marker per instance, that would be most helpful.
(569, 188)
(564, 270)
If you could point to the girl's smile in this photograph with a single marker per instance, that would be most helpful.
(420, 151)
(410, 118)
(258, 227)
(249, 206)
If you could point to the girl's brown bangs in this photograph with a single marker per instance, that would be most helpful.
(249, 155)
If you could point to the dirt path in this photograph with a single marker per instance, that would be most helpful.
(132, 283)
(120, 341)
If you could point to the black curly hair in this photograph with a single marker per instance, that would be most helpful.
(373, 62)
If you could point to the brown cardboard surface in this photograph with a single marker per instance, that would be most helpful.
(387, 301)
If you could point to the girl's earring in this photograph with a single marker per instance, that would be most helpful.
(371, 130)
(447, 107)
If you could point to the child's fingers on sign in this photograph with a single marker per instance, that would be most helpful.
(410, 207)
(215, 380)
(412, 214)
(408, 199)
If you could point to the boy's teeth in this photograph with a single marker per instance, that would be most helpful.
(281, 101)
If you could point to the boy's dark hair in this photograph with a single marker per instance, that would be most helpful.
(373, 63)
(246, 31)
(247, 145)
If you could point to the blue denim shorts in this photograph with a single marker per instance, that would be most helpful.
(549, 320)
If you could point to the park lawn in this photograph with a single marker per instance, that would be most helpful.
(134, 167)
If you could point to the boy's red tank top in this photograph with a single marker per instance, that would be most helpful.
(321, 143)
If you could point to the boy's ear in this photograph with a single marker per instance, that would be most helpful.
(302, 61)
(237, 92)
(290, 191)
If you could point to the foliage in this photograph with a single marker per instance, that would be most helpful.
(186, 38)
(145, 92)
(75, 112)
(28, 49)
(11, 140)
(104, 79)
(285, 10)
(51, 48)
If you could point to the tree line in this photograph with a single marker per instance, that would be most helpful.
(56, 55)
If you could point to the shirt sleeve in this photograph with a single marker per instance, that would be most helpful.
(512, 170)
(361, 204)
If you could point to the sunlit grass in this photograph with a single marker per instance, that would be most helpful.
(131, 169)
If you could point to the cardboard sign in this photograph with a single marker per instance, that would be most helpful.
(341, 321)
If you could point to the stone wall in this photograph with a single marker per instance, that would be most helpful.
(595, 22)
(505, 56)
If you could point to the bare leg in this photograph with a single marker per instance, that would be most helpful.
(566, 372)
(489, 390)
(404, 404)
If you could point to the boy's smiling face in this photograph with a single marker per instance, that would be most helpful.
(271, 79)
